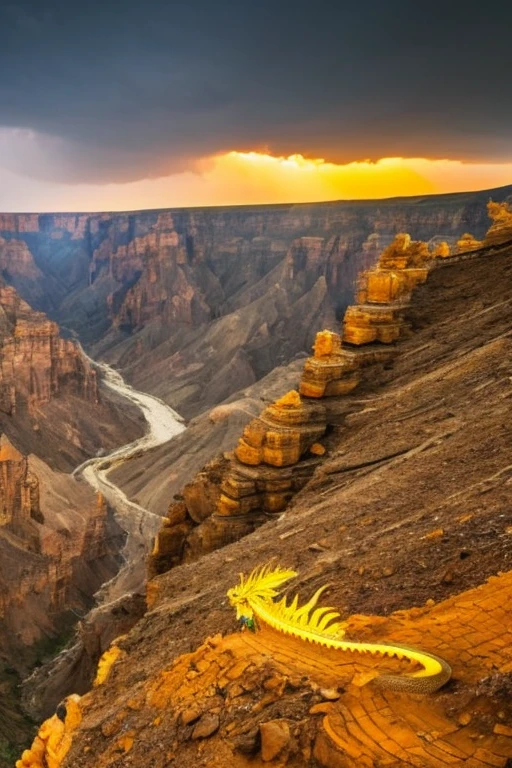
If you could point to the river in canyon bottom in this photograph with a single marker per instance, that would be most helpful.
(140, 524)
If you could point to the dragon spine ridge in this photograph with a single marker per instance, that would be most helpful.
(256, 595)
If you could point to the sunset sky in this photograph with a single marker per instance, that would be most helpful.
(109, 105)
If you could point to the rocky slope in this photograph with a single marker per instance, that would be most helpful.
(408, 512)
(195, 304)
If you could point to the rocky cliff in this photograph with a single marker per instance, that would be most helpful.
(37, 364)
(195, 304)
(58, 542)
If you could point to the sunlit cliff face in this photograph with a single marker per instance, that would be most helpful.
(237, 178)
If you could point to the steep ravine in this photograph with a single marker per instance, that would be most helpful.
(119, 600)
(140, 524)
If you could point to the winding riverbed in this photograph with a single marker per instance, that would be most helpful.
(140, 524)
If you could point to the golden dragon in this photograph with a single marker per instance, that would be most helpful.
(256, 597)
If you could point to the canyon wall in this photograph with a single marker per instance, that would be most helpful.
(58, 541)
(195, 304)
(36, 362)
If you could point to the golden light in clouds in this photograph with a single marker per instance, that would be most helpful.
(258, 177)
(265, 178)
(238, 178)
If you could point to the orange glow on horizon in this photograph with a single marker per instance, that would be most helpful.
(252, 178)
(262, 177)
(249, 178)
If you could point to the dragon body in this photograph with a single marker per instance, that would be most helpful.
(256, 596)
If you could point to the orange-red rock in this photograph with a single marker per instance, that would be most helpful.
(19, 493)
(468, 243)
(36, 363)
(283, 432)
(331, 371)
(501, 229)
(364, 324)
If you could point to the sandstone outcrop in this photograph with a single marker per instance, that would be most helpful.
(279, 450)
(283, 432)
(384, 290)
(498, 233)
(230, 497)
(19, 494)
(273, 459)
(58, 543)
(501, 229)
(286, 702)
(37, 364)
(331, 371)
(468, 243)
(383, 294)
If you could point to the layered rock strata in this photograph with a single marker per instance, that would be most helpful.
(255, 697)
(279, 451)
(501, 228)
(19, 494)
(274, 459)
(499, 232)
(371, 326)
(283, 432)
(36, 363)
(58, 542)
(385, 290)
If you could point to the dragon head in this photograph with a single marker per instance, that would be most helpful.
(261, 584)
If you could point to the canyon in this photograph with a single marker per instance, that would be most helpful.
(157, 294)
(58, 539)
(406, 521)
(196, 304)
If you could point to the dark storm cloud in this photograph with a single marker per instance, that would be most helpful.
(124, 90)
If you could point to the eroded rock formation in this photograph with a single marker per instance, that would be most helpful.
(58, 543)
(36, 363)
(282, 434)
(274, 459)
(279, 451)
(19, 493)
(384, 290)
(501, 228)
(498, 233)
